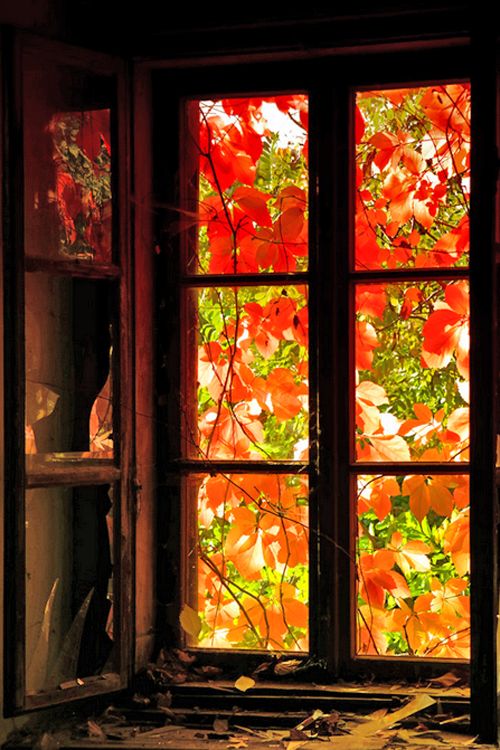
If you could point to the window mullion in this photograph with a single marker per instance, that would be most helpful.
(484, 395)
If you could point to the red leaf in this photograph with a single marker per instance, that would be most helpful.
(254, 203)
(365, 341)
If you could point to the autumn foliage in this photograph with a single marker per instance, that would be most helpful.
(410, 347)
(82, 191)
(412, 371)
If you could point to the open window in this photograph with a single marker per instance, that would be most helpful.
(315, 298)
(312, 284)
(68, 446)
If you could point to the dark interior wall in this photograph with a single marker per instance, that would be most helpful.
(41, 16)
(168, 30)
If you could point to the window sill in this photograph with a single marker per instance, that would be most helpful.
(214, 714)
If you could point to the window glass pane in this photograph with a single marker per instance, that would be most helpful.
(251, 379)
(69, 585)
(412, 177)
(412, 371)
(250, 574)
(413, 566)
(69, 347)
(67, 157)
(249, 185)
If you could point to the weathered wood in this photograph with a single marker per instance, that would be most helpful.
(92, 686)
(79, 472)
(75, 268)
(145, 417)
(54, 475)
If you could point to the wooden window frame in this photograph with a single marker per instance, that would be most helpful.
(116, 472)
(346, 71)
(446, 59)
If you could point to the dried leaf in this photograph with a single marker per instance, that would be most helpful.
(264, 667)
(329, 724)
(446, 680)
(47, 741)
(220, 726)
(190, 621)
(414, 706)
(94, 730)
(287, 667)
(140, 700)
(163, 700)
(244, 683)
(184, 657)
(295, 745)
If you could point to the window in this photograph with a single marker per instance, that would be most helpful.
(310, 248)
(245, 353)
(68, 338)
(373, 382)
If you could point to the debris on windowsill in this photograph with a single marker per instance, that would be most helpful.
(179, 704)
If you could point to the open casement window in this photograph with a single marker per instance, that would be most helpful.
(68, 379)
(327, 474)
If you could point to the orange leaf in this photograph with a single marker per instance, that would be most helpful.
(417, 489)
(440, 497)
(388, 448)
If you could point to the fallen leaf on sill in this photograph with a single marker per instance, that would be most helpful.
(47, 741)
(376, 725)
(295, 745)
(190, 621)
(221, 726)
(163, 700)
(244, 683)
(140, 700)
(287, 667)
(446, 680)
(331, 724)
(264, 667)
(237, 743)
(94, 730)
(183, 656)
